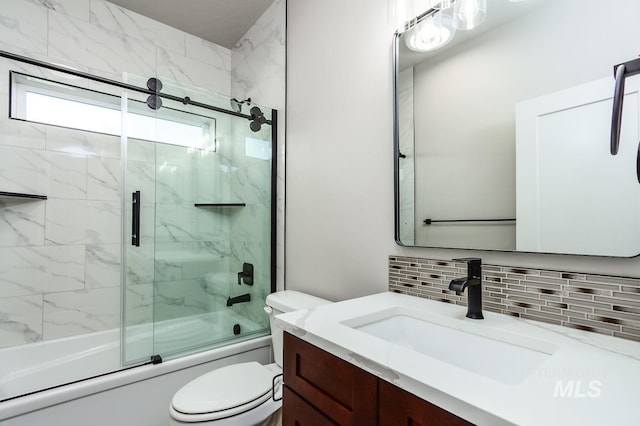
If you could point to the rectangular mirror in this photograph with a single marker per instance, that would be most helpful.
(502, 131)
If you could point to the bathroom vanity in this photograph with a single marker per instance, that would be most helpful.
(395, 359)
(322, 389)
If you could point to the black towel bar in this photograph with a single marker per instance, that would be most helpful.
(430, 221)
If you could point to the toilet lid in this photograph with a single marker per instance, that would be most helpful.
(244, 386)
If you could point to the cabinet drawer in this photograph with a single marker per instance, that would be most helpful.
(343, 392)
(300, 413)
(398, 407)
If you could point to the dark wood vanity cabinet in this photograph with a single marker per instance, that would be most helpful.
(300, 412)
(398, 407)
(322, 389)
(345, 394)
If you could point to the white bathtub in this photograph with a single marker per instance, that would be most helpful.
(185, 334)
(42, 365)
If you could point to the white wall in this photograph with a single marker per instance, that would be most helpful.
(258, 72)
(339, 211)
(340, 157)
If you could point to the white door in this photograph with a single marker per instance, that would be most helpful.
(572, 195)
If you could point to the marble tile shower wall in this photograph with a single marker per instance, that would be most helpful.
(251, 233)
(258, 72)
(60, 258)
(189, 243)
(105, 39)
(258, 59)
(602, 304)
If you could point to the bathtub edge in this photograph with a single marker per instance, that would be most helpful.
(59, 395)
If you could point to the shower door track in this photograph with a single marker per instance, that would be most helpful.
(185, 100)
(152, 361)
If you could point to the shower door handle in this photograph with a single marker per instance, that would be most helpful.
(135, 219)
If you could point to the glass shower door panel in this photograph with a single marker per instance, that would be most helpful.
(139, 157)
(164, 253)
(202, 271)
(251, 227)
(185, 250)
(198, 208)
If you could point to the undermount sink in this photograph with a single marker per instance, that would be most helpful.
(501, 356)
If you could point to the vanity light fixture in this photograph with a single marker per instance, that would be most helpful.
(443, 4)
(431, 24)
(432, 32)
(468, 14)
(405, 14)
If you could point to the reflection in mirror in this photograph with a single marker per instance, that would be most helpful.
(503, 131)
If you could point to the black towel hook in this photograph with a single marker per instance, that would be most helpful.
(621, 72)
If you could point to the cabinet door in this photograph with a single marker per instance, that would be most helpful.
(398, 407)
(343, 392)
(300, 413)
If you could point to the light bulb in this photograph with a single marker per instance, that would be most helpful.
(468, 14)
(433, 32)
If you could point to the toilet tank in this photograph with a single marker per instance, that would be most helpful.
(287, 301)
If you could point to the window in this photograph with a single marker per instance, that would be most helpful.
(43, 101)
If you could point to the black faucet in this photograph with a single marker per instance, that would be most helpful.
(473, 280)
(238, 299)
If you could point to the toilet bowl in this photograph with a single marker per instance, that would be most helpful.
(238, 394)
(241, 394)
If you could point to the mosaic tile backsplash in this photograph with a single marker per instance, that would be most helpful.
(598, 303)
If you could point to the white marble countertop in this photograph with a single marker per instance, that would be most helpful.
(588, 379)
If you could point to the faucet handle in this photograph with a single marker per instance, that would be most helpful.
(474, 266)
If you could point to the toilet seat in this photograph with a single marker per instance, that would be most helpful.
(224, 392)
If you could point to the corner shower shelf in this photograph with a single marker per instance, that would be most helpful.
(216, 205)
(4, 194)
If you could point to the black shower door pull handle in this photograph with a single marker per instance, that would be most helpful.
(135, 219)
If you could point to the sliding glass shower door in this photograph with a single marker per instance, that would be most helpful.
(197, 224)
(132, 229)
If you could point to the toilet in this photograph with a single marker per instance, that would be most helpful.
(241, 394)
